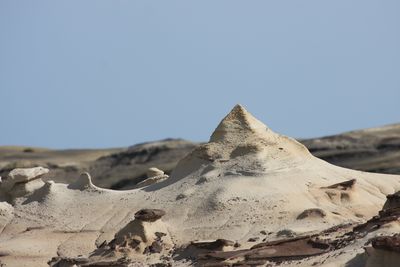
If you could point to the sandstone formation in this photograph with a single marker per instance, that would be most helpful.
(22, 181)
(146, 234)
(248, 185)
(373, 150)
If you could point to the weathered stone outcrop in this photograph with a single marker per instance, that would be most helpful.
(280, 250)
(22, 181)
(145, 234)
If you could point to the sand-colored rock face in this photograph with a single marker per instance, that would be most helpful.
(22, 175)
(246, 146)
(245, 181)
(240, 134)
(236, 124)
(21, 182)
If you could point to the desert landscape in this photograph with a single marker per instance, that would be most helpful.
(199, 133)
(247, 197)
(371, 150)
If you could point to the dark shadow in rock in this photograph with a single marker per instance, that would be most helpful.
(358, 261)
(40, 194)
(342, 185)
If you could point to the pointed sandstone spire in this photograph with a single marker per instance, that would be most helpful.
(239, 139)
(238, 121)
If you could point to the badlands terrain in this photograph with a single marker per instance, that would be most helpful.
(247, 197)
(372, 150)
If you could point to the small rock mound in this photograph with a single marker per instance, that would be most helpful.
(145, 234)
(312, 213)
(149, 215)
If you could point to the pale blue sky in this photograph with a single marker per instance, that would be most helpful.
(115, 73)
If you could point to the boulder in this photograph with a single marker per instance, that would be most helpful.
(22, 175)
(22, 181)
(392, 201)
(145, 234)
(149, 215)
(389, 243)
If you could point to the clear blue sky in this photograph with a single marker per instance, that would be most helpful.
(115, 73)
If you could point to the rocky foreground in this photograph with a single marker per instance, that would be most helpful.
(248, 197)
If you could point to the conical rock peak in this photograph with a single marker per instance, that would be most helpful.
(238, 122)
(241, 142)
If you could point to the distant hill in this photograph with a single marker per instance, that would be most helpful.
(373, 150)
